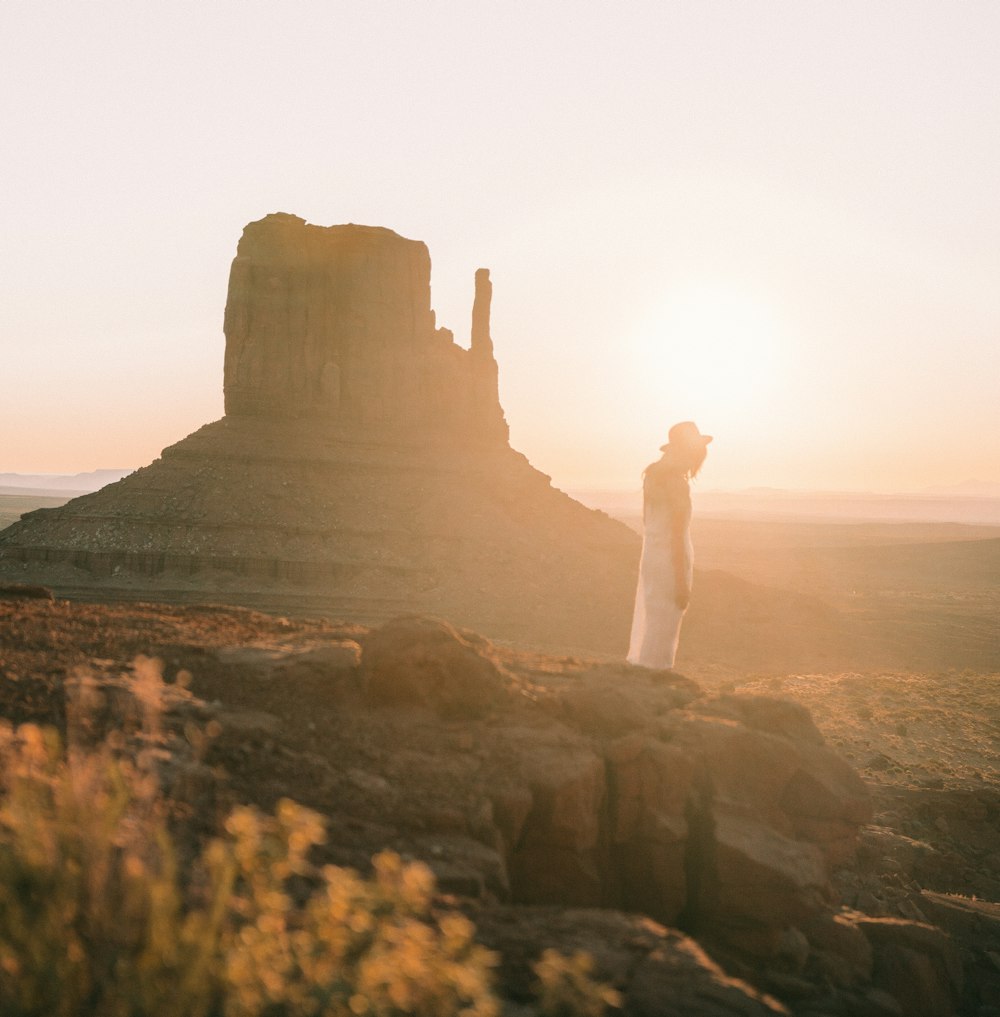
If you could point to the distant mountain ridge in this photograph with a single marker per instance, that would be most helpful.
(72, 483)
(967, 489)
(971, 502)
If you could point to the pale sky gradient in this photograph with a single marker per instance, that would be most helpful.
(781, 219)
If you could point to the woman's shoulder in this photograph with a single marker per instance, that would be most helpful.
(664, 479)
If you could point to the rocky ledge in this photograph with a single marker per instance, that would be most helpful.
(692, 843)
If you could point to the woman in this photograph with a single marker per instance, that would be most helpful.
(666, 566)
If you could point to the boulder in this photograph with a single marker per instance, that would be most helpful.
(767, 713)
(974, 926)
(742, 767)
(826, 801)
(426, 662)
(917, 964)
(839, 948)
(651, 783)
(611, 700)
(559, 855)
(464, 866)
(879, 847)
(658, 972)
(772, 807)
(789, 771)
(760, 879)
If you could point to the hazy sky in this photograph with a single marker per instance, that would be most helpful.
(781, 219)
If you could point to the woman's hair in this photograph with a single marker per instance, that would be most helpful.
(698, 455)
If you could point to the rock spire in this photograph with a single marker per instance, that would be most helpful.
(334, 324)
(362, 468)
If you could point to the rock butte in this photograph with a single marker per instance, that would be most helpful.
(362, 467)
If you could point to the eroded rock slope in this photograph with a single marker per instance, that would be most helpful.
(538, 788)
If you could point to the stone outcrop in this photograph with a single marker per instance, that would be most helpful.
(362, 468)
(659, 972)
(426, 662)
(700, 817)
(916, 964)
(569, 784)
(335, 325)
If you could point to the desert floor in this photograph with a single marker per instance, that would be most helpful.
(916, 705)
(888, 633)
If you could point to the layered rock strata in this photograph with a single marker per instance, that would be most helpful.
(362, 467)
(335, 325)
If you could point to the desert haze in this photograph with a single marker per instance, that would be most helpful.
(341, 585)
(347, 644)
(488, 762)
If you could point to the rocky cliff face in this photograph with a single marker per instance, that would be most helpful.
(565, 802)
(335, 325)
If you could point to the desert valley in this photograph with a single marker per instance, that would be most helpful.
(538, 783)
(352, 594)
(500, 509)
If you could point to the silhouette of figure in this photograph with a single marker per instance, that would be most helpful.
(667, 563)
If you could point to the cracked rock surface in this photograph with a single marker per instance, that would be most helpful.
(540, 788)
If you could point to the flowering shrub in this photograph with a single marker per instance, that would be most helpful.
(566, 987)
(95, 918)
(91, 915)
(358, 947)
(93, 921)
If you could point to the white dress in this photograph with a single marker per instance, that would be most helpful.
(656, 623)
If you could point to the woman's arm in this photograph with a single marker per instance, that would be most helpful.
(679, 507)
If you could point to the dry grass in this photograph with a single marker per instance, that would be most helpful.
(98, 918)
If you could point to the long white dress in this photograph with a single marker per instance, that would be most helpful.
(656, 623)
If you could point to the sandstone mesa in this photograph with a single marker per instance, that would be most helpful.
(362, 467)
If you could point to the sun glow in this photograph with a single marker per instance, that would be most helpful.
(713, 353)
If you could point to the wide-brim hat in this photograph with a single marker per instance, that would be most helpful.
(685, 433)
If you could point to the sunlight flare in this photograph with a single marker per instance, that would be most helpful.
(713, 352)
